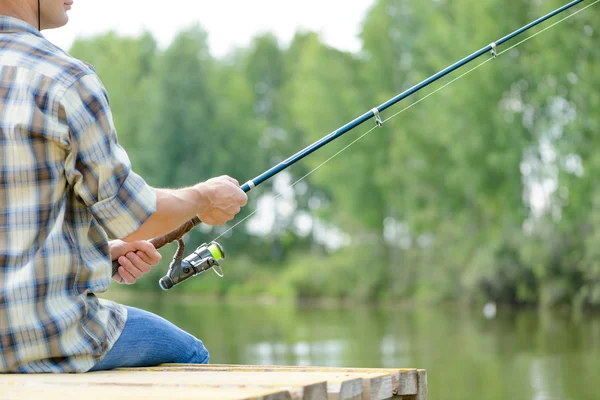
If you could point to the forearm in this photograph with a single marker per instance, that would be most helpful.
(173, 208)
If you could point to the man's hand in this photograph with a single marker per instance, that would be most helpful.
(222, 199)
(215, 202)
(136, 259)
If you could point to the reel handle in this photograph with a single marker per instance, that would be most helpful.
(166, 239)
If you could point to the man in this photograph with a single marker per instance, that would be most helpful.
(66, 186)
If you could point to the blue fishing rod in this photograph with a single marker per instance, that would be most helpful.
(207, 256)
(374, 113)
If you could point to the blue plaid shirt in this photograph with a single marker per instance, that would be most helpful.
(65, 186)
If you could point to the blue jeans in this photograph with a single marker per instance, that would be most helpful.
(148, 340)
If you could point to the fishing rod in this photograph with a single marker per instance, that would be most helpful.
(207, 256)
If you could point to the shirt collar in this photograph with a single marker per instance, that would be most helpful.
(15, 25)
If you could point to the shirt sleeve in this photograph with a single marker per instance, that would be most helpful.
(98, 168)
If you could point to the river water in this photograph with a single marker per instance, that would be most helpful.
(514, 355)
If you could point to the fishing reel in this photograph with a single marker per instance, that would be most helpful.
(205, 257)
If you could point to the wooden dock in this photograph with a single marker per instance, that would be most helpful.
(222, 382)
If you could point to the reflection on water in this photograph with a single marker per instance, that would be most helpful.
(541, 371)
(526, 355)
(393, 352)
(329, 352)
(326, 353)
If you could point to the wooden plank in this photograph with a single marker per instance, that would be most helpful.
(300, 382)
(307, 386)
(335, 385)
(347, 390)
(103, 392)
(376, 385)
(407, 385)
(421, 388)
(422, 392)
(300, 387)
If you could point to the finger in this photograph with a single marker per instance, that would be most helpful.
(207, 220)
(130, 267)
(118, 248)
(224, 216)
(128, 279)
(152, 256)
(231, 209)
(232, 180)
(147, 259)
(143, 245)
(118, 278)
(217, 218)
(138, 263)
(212, 221)
(241, 198)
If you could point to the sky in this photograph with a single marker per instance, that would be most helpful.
(229, 23)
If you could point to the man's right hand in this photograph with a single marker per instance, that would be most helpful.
(215, 202)
(221, 199)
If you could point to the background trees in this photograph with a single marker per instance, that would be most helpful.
(483, 192)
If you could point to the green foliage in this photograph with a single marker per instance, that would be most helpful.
(484, 192)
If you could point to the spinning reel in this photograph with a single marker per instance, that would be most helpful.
(201, 260)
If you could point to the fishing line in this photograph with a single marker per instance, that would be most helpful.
(405, 109)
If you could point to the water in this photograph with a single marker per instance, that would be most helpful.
(517, 355)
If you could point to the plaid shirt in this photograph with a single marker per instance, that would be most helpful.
(65, 184)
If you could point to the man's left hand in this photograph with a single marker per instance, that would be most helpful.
(136, 259)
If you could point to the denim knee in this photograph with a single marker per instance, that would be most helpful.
(200, 354)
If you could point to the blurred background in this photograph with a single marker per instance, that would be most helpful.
(463, 237)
